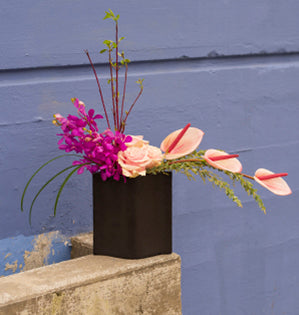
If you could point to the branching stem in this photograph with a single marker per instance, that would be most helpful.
(186, 160)
(200, 160)
(116, 75)
(128, 113)
(99, 86)
(124, 95)
(112, 88)
(247, 176)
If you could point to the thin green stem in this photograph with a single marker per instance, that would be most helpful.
(45, 185)
(37, 171)
(62, 186)
(186, 160)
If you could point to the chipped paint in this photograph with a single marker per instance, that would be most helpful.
(23, 253)
(13, 267)
(9, 254)
(41, 250)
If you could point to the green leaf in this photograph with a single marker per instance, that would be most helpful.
(107, 42)
(36, 172)
(44, 186)
(103, 50)
(110, 15)
(62, 186)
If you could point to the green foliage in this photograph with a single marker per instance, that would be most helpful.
(76, 167)
(111, 15)
(199, 167)
(140, 82)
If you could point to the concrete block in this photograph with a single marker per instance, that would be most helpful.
(96, 285)
(82, 245)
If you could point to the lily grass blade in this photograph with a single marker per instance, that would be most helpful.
(35, 173)
(44, 186)
(62, 186)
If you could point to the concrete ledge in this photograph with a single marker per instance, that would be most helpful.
(82, 245)
(96, 285)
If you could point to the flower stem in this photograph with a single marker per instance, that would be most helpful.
(186, 160)
(116, 74)
(99, 86)
(112, 88)
(200, 160)
(128, 113)
(247, 176)
(124, 93)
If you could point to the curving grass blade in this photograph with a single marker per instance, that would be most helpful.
(62, 185)
(44, 186)
(31, 178)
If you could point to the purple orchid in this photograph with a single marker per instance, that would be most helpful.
(99, 150)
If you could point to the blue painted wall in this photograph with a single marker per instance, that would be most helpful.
(229, 67)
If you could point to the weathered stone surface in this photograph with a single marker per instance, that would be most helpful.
(96, 285)
(82, 245)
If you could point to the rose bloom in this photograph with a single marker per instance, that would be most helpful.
(138, 157)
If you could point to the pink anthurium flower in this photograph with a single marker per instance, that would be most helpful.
(223, 160)
(181, 142)
(272, 181)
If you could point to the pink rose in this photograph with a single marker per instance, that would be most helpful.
(138, 157)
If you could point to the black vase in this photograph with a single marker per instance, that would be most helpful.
(132, 219)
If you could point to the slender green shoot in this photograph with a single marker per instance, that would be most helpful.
(62, 186)
(44, 186)
(37, 171)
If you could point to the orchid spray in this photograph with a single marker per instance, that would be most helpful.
(116, 155)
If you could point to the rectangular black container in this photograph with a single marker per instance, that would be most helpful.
(134, 219)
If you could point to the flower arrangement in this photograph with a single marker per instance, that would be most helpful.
(117, 155)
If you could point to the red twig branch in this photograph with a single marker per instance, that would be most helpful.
(112, 88)
(247, 176)
(124, 93)
(116, 74)
(99, 86)
(128, 113)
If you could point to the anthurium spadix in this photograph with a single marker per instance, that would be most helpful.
(181, 142)
(223, 160)
(272, 181)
